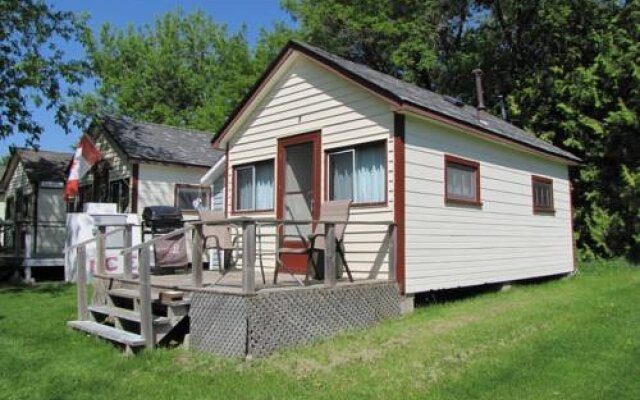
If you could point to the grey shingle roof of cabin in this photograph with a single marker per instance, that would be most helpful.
(44, 165)
(415, 95)
(409, 94)
(161, 143)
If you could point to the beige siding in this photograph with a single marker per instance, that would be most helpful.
(450, 246)
(156, 183)
(308, 98)
(117, 159)
(18, 180)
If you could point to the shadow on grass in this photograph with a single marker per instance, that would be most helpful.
(463, 293)
(41, 288)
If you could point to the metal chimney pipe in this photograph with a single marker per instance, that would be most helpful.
(478, 73)
(503, 109)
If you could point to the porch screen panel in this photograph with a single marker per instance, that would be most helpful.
(341, 174)
(298, 188)
(50, 232)
(370, 175)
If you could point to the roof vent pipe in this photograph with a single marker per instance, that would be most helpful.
(478, 73)
(503, 109)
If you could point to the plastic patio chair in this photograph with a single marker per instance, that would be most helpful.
(219, 237)
(337, 210)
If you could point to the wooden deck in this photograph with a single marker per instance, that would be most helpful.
(231, 283)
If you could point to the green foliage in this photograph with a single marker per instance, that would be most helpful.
(569, 71)
(184, 70)
(33, 68)
(398, 37)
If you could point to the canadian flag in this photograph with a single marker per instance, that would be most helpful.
(85, 157)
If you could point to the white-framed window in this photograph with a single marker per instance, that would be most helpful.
(254, 187)
(358, 173)
(192, 197)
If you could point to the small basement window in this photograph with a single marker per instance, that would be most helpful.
(253, 189)
(542, 191)
(462, 181)
(192, 197)
(358, 174)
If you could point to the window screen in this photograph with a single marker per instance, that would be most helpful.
(192, 197)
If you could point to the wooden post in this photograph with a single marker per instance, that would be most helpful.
(128, 256)
(393, 244)
(146, 321)
(17, 238)
(100, 249)
(81, 282)
(248, 257)
(28, 248)
(196, 256)
(329, 255)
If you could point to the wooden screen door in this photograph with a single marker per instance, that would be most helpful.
(298, 192)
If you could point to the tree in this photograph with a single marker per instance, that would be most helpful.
(184, 70)
(397, 37)
(33, 69)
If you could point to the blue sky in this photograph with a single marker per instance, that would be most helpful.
(119, 13)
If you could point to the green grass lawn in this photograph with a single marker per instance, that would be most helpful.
(574, 338)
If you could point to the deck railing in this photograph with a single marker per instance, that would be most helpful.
(249, 253)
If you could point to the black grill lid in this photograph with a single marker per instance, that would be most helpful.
(161, 214)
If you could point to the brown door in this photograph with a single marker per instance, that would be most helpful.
(298, 192)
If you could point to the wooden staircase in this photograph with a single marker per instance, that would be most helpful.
(120, 320)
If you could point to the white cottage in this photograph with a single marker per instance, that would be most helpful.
(147, 164)
(476, 199)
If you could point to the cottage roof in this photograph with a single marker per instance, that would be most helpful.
(407, 94)
(42, 165)
(146, 141)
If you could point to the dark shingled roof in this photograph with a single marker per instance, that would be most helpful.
(44, 165)
(409, 94)
(145, 141)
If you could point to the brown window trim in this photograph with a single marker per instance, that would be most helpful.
(234, 169)
(449, 159)
(538, 209)
(178, 186)
(372, 204)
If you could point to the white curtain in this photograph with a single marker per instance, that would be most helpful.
(244, 190)
(370, 174)
(341, 176)
(264, 186)
(461, 182)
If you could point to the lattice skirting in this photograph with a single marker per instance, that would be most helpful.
(236, 326)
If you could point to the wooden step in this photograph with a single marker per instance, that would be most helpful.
(125, 314)
(130, 294)
(108, 332)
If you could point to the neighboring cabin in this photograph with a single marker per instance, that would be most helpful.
(35, 211)
(147, 164)
(476, 199)
(2, 199)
